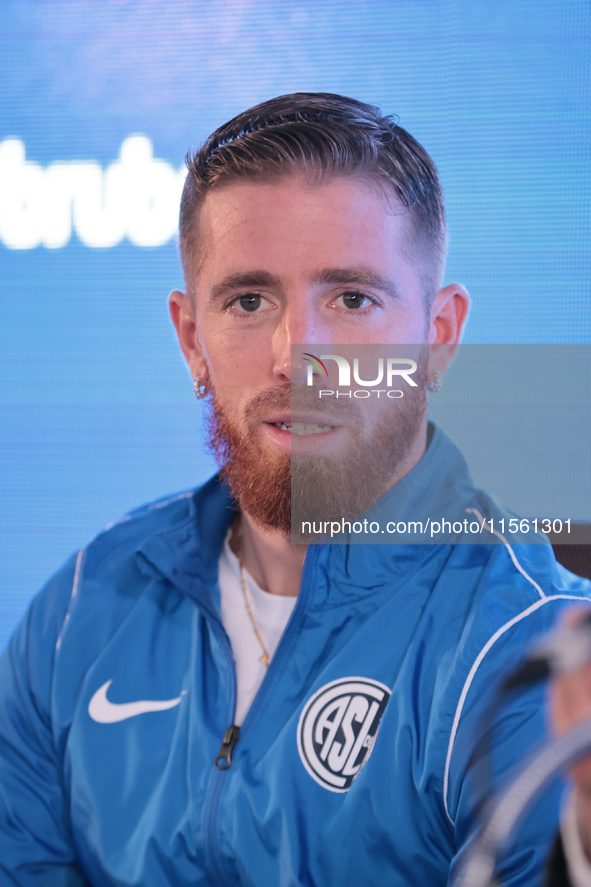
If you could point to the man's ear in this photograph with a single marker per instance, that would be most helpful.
(448, 316)
(183, 318)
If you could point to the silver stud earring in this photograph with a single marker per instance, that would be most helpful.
(200, 390)
(436, 382)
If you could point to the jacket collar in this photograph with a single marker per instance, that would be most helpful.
(440, 485)
(187, 551)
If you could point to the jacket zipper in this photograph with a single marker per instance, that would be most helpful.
(229, 741)
(223, 760)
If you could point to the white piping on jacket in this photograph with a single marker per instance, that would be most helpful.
(509, 549)
(544, 599)
(477, 662)
(75, 583)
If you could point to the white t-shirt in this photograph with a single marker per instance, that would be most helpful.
(271, 613)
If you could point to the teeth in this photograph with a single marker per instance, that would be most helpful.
(301, 428)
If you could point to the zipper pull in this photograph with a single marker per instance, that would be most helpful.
(224, 756)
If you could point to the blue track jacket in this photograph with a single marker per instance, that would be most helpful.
(351, 769)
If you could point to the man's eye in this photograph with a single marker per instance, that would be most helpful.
(250, 303)
(354, 301)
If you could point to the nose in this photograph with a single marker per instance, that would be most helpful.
(297, 333)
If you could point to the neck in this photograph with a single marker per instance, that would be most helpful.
(272, 560)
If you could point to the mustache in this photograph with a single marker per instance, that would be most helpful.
(300, 398)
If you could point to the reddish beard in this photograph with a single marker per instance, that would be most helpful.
(259, 479)
(279, 491)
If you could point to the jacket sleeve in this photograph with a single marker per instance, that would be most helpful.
(36, 847)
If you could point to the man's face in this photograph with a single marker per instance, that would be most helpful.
(295, 263)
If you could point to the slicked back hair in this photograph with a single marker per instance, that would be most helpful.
(321, 136)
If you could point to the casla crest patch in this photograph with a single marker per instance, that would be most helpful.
(337, 730)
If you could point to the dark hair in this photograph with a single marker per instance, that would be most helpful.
(321, 135)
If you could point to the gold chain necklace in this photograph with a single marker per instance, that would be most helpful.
(265, 658)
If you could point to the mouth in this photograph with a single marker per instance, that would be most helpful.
(303, 428)
(306, 433)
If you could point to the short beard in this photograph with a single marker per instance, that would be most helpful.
(280, 491)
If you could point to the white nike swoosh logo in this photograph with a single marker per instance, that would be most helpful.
(104, 712)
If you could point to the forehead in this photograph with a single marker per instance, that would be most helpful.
(292, 226)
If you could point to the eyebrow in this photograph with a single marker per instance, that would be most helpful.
(244, 280)
(359, 276)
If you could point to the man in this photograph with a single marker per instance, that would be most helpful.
(196, 700)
